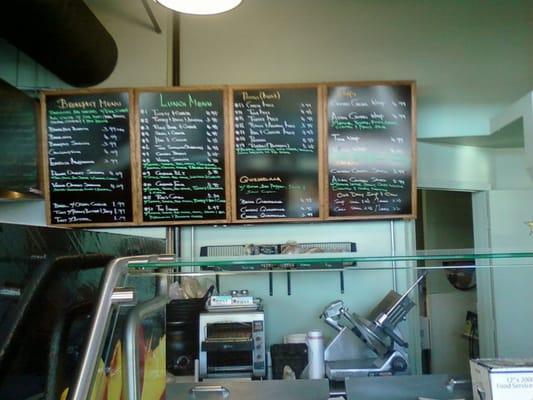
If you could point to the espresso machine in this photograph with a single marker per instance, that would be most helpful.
(378, 332)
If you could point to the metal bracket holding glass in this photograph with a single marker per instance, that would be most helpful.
(379, 333)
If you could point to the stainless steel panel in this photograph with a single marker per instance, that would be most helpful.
(405, 388)
(259, 390)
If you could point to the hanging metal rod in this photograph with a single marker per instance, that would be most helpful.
(151, 15)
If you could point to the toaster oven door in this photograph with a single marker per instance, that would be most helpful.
(229, 349)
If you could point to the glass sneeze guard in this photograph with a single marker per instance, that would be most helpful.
(381, 269)
(472, 258)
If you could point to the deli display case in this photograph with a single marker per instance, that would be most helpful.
(125, 352)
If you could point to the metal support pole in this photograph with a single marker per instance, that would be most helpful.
(130, 351)
(115, 270)
(193, 244)
(151, 15)
(393, 253)
(172, 246)
(170, 235)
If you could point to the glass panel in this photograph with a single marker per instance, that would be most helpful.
(49, 281)
(469, 303)
(444, 329)
(469, 258)
(42, 355)
(108, 380)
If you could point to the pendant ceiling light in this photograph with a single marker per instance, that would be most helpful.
(200, 7)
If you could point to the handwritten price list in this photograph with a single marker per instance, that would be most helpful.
(89, 158)
(276, 155)
(182, 156)
(369, 150)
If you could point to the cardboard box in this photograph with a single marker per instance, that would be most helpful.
(502, 379)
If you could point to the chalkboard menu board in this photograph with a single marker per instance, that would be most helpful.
(239, 154)
(87, 152)
(370, 155)
(276, 154)
(182, 154)
(18, 134)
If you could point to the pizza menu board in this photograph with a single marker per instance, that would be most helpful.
(276, 154)
(370, 150)
(182, 155)
(87, 152)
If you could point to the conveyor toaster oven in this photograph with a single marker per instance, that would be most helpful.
(232, 344)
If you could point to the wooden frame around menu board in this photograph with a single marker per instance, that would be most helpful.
(325, 138)
(320, 153)
(320, 200)
(137, 154)
(45, 159)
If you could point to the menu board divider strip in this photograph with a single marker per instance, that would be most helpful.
(40, 155)
(45, 160)
(414, 169)
(235, 208)
(135, 161)
(231, 152)
(323, 154)
(412, 192)
(225, 134)
(227, 153)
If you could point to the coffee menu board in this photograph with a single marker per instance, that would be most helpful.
(87, 151)
(276, 153)
(182, 155)
(370, 150)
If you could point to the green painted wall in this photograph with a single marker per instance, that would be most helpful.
(470, 58)
(508, 211)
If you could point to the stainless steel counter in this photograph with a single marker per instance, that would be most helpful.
(406, 387)
(253, 390)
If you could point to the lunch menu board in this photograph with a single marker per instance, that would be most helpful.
(370, 154)
(182, 147)
(276, 154)
(88, 158)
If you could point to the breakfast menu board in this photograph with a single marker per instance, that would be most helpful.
(276, 153)
(370, 150)
(87, 153)
(182, 155)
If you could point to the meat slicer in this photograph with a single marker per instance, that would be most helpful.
(379, 333)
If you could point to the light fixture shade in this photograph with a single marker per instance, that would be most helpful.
(200, 7)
